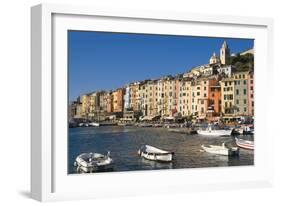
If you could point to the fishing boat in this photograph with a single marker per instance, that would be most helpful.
(245, 144)
(221, 150)
(156, 154)
(92, 162)
(210, 131)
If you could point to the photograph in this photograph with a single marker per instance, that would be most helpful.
(142, 102)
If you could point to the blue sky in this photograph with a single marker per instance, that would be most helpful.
(102, 60)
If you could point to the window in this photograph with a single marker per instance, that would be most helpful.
(205, 95)
(245, 101)
(225, 84)
(245, 91)
(198, 93)
(252, 96)
(237, 101)
(237, 91)
(252, 103)
(252, 88)
(205, 88)
(245, 82)
(225, 104)
(184, 94)
(202, 101)
(245, 109)
(243, 76)
(224, 97)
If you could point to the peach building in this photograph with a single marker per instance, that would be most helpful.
(118, 101)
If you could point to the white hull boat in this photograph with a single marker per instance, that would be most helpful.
(209, 131)
(153, 153)
(221, 150)
(221, 132)
(94, 124)
(92, 162)
(245, 144)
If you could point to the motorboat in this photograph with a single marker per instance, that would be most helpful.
(145, 125)
(94, 124)
(244, 130)
(221, 149)
(210, 131)
(245, 144)
(156, 154)
(92, 162)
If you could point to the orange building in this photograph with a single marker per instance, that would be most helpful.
(215, 99)
(118, 101)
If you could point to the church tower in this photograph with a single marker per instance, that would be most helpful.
(224, 54)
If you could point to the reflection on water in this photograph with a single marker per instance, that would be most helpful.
(124, 142)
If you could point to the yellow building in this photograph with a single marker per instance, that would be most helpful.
(184, 97)
(84, 105)
(227, 96)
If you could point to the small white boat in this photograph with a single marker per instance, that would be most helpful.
(92, 162)
(153, 153)
(245, 144)
(209, 131)
(94, 124)
(221, 150)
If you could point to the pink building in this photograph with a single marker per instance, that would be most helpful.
(251, 93)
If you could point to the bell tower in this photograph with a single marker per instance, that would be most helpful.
(224, 54)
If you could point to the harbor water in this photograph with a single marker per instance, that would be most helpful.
(124, 142)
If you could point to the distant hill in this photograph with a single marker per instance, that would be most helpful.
(243, 62)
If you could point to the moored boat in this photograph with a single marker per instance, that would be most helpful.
(92, 162)
(145, 125)
(245, 144)
(94, 124)
(221, 150)
(209, 131)
(156, 154)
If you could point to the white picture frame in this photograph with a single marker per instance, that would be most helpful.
(49, 178)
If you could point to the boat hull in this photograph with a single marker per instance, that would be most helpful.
(245, 144)
(155, 157)
(155, 154)
(92, 162)
(219, 150)
(214, 132)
